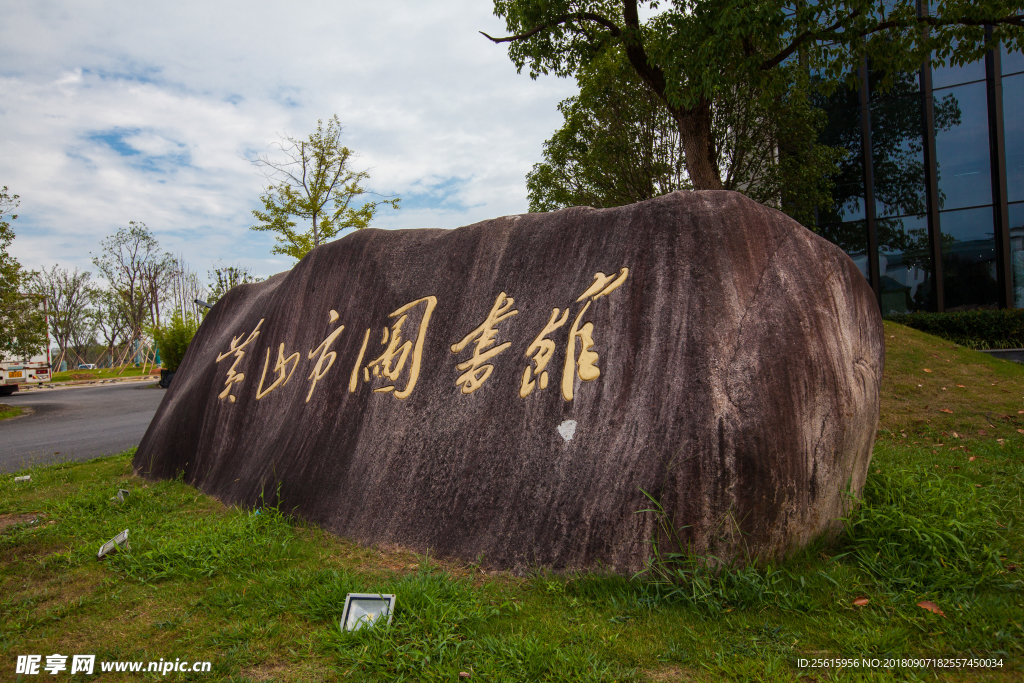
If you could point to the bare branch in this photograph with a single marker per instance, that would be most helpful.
(612, 27)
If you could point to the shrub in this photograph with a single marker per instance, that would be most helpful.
(173, 339)
(1003, 329)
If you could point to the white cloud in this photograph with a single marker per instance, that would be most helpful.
(118, 111)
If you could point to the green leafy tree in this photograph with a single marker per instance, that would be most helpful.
(313, 182)
(174, 337)
(619, 145)
(22, 316)
(696, 53)
(137, 271)
(222, 278)
(112, 320)
(69, 296)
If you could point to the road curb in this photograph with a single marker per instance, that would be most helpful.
(89, 382)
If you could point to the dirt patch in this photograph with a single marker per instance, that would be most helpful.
(265, 672)
(8, 521)
(669, 674)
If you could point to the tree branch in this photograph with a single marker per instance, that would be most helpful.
(612, 27)
(806, 36)
(653, 76)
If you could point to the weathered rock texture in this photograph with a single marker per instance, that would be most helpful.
(739, 361)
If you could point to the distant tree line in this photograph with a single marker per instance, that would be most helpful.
(111, 320)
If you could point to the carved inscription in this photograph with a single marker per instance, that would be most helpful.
(477, 370)
(402, 350)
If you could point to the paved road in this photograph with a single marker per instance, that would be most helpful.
(76, 423)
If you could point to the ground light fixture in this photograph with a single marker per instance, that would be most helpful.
(366, 609)
(113, 545)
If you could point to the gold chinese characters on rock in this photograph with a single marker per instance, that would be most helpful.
(402, 350)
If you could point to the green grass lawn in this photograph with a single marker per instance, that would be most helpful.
(260, 595)
(7, 412)
(103, 373)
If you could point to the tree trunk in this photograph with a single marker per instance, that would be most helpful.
(699, 146)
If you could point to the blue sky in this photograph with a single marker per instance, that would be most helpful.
(119, 111)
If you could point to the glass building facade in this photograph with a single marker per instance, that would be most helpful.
(930, 200)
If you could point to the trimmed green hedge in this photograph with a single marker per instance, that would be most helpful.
(1003, 329)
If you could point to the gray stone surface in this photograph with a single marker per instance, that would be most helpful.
(739, 363)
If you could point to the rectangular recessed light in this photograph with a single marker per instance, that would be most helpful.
(114, 544)
(366, 609)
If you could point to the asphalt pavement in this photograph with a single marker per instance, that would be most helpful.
(76, 423)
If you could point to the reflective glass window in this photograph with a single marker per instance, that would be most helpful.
(961, 146)
(843, 130)
(1013, 132)
(851, 238)
(969, 259)
(904, 264)
(943, 76)
(903, 84)
(1013, 62)
(898, 156)
(1017, 253)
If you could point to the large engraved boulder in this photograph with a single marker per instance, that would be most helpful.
(514, 390)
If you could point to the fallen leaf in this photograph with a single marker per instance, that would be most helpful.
(970, 459)
(961, 386)
(977, 486)
(463, 674)
(946, 410)
(927, 370)
(1020, 412)
(982, 432)
(955, 435)
(1021, 431)
(931, 607)
(940, 444)
(860, 602)
(1011, 567)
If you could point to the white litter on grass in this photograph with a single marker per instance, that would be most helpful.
(567, 429)
(27, 477)
(113, 545)
(121, 495)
